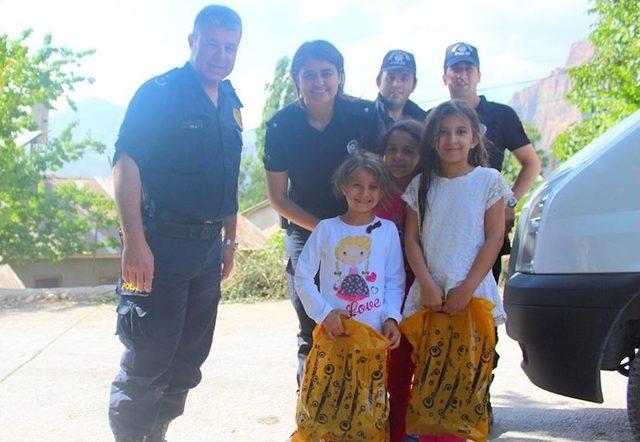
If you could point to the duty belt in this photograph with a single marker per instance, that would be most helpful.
(177, 225)
(203, 232)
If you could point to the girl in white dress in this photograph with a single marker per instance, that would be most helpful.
(455, 217)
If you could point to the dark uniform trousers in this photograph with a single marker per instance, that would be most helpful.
(294, 241)
(167, 335)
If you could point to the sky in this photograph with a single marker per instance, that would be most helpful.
(518, 41)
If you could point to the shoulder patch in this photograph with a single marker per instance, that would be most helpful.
(357, 106)
(226, 86)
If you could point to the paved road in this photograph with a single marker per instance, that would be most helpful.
(57, 363)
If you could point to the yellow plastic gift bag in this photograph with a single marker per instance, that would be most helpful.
(454, 360)
(344, 389)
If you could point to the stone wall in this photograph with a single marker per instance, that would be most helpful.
(10, 298)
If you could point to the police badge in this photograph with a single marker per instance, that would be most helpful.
(352, 146)
(238, 117)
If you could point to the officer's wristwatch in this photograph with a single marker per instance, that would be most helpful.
(230, 242)
(512, 202)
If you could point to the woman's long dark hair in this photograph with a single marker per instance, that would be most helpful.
(430, 161)
(317, 50)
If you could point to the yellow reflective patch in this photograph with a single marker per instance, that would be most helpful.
(129, 287)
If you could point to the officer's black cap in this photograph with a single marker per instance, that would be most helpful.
(398, 59)
(461, 52)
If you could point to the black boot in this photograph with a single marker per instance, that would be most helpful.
(158, 433)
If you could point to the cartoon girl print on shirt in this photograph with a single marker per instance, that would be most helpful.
(353, 251)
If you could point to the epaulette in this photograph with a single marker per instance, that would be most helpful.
(285, 114)
(164, 79)
(359, 107)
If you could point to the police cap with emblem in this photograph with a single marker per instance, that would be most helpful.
(398, 59)
(461, 52)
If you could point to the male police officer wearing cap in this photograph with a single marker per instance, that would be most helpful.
(176, 176)
(504, 131)
(396, 82)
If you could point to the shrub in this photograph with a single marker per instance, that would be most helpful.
(258, 275)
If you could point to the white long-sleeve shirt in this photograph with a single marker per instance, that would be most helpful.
(361, 271)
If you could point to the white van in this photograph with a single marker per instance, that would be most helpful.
(573, 292)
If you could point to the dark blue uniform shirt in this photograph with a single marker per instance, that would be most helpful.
(187, 149)
(504, 130)
(410, 111)
(310, 156)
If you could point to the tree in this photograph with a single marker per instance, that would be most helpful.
(607, 88)
(280, 92)
(39, 221)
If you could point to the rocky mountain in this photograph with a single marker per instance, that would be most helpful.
(543, 104)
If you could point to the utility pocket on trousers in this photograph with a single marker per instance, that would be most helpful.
(289, 268)
(134, 318)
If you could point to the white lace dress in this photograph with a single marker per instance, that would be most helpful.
(453, 231)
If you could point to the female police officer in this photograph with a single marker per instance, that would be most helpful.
(305, 143)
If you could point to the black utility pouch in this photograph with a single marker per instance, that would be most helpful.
(134, 311)
(134, 308)
(134, 318)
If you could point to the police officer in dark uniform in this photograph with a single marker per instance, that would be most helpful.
(304, 144)
(503, 131)
(396, 81)
(176, 176)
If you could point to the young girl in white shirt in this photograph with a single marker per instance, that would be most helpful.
(358, 254)
(455, 218)
(455, 222)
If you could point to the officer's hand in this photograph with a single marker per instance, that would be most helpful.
(228, 253)
(137, 265)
